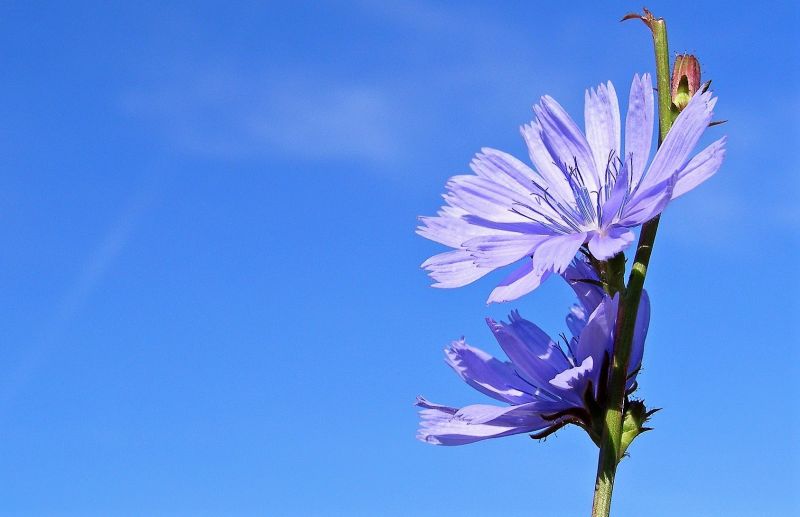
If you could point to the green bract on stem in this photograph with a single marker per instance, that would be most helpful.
(611, 447)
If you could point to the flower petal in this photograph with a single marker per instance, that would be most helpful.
(484, 198)
(584, 281)
(535, 356)
(453, 269)
(639, 126)
(442, 425)
(605, 245)
(490, 376)
(617, 198)
(574, 378)
(565, 141)
(601, 114)
(680, 141)
(520, 282)
(576, 319)
(555, 253)
(495, 251)
(529, 227)
(700, 168)
(596, 339)
(552, 175)
(647, 204)
(450, 230)
(504, 169)
(481, 197)
(520, 414)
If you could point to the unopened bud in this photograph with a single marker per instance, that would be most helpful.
(685, 80)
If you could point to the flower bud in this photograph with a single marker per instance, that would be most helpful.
(685, 80)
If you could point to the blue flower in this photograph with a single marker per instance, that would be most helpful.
(584, 191)
(543, 385)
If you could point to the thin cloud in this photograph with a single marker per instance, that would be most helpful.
(378, 115)
(229, 114)
(76, 297)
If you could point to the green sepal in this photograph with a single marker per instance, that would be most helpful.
(633, 423)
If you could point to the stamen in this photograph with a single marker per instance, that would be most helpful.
(572, 359)
(555, 225)
(566, 213)
(599, 206)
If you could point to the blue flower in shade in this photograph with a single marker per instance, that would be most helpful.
(543, 385)
(585, 190)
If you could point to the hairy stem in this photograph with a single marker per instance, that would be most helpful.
(610, 448)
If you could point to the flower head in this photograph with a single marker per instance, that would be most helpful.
(584, 191)
(544, 386)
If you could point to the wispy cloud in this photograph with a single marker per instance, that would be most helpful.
(227, 113)
(377, 113)
(77, 295)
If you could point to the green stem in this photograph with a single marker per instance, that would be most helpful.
(629, 305)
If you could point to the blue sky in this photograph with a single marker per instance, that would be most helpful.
(211, 296)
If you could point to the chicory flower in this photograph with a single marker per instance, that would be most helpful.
(543, 386)
(585, 190)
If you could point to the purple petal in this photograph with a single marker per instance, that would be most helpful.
(450, 230)
(555, 253)
(503, 169)
(437, 428)
(681, 140)
(574, 379)
(639, 126)
(453, 269)
(605, 245)
(565, 141)
(539, 343)
(522, 414)
(551, 174)
(596, 339)
(535, 356)
(576, 319)
(589, 293)
(425, 403)
(484, 198)
(644, 205)
(700, 168)
(529, 227)
(442, 425)
(493, 251)
(520, 282)
(601, 113)
(619, 194)
(486, 374)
